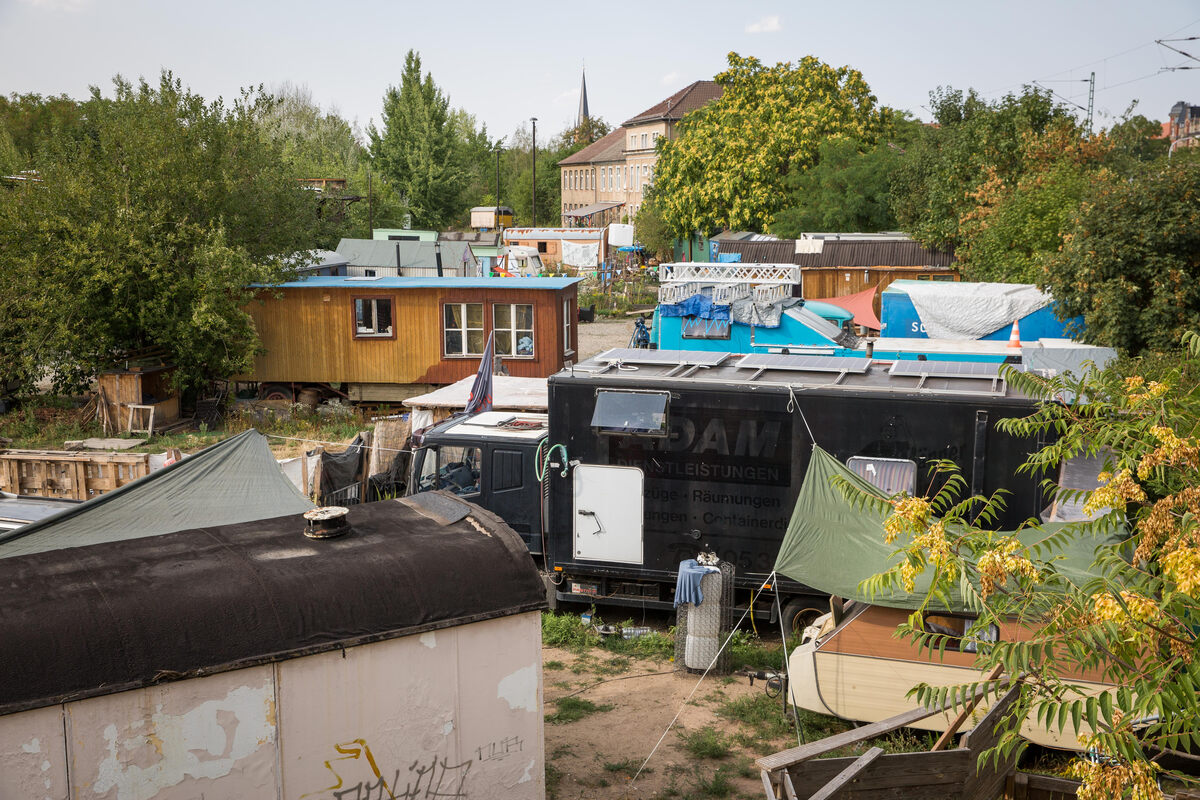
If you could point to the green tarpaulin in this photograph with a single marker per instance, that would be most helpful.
(236, 480)
(833, 544)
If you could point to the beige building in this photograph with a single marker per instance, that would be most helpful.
(605, 181)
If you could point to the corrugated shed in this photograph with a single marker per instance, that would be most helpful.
(842, 254)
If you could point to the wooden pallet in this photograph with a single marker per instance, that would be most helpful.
(70, 475)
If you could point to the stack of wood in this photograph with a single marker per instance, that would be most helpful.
(71, 475)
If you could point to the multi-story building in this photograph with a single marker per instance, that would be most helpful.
(1184, 127)
(605, 181)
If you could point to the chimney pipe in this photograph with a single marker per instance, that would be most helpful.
(437, 257)
(327, 522)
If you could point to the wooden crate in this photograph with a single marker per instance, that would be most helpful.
(68, 475)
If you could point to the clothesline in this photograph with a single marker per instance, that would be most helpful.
(346, 445)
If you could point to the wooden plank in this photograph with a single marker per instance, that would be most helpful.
(767, 787)
(835, 786)
(986, 780)
(795, 755)
(966, 711)
(940, 775)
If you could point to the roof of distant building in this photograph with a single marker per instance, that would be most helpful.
(383, 253)
(583, 234)
(833, 253)
(689, 98)
(487, 239)
(607, 148)
(341, 282)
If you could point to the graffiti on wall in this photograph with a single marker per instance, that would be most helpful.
(426, 778)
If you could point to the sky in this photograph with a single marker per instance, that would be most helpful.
(507, 62)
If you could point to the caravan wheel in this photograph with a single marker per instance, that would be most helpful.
(798, 614)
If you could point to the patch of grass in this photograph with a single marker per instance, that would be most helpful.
(571, 709)
(567, 631)
(627, 767)
(554, 665)
(744, 767)
(612, 666)
(562, 750)
(719, 785)
(553, 778)
(747, 651)
(654, 646)
(707, 742)
(562, 684)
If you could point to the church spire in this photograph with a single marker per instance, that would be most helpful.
(583, 104)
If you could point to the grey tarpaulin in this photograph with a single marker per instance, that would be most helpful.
(236, 480)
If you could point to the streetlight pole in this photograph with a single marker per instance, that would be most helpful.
(497, 219)
(534, 215)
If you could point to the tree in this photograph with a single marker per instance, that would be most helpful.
(650, 229)
(934, 185)
(1128, 263)
(149, 229)
(426, 151)
(727, 167)
(1135, 619)
(32, 119)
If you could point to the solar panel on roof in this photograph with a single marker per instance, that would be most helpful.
(947, 369)
(664, 358)
(798, 363)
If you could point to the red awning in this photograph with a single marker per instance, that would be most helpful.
(861, 305)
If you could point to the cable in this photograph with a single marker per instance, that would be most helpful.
(787, 670)
(794, 405)
(688, 699)
(336, 444)
(621, 678)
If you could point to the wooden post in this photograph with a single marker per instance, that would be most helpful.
(832, 788)
(944, 739)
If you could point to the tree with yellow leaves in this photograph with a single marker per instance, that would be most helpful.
(1135, 618)
(727, 168)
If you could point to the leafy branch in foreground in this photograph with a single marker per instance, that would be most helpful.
(1131, 621)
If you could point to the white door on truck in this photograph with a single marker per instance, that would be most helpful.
(608, 513)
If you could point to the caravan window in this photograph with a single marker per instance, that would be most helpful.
(513, 323)
(631, 413)
(889, 475)
(965, 632)
(462, 329)
(697, 328)
(373, 318)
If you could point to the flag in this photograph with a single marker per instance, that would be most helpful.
(481, 390)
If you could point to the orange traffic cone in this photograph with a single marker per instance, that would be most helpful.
(1014, 340)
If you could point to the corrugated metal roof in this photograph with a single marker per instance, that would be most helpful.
(587, 211)
(340, 282)
(607, 148)
(689, 98)
(382, 253)
(583, 234)
(842, 254)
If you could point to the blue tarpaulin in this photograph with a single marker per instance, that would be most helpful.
(728, 258)
(698, 305)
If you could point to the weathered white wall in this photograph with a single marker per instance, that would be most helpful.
(454, 714)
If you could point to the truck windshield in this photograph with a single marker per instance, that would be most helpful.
(450, 467)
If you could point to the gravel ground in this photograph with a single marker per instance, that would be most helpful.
(604, 334)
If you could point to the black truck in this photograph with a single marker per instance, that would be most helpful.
(654, 456)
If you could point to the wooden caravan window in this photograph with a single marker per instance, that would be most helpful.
(513, 323)
(462, 329)
(964, 633)
(373, 318)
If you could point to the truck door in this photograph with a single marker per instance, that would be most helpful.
(513, 493)
(608, 513)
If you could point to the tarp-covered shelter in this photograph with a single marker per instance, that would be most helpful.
(243, 660)
(509, 393)
(833, 544)
(235, 480)
(861, 305)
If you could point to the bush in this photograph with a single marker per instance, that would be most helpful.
(707, 742)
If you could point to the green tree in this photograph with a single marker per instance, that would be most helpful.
(427, 152)
(650, 229)
(1128, 263)
(32, 120)
(1134, 619)
(975, 141)
(148, 230)
(727, 167)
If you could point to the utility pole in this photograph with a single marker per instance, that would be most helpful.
(497, 219)
(534, 214)
(1091, 100)
(370, 209)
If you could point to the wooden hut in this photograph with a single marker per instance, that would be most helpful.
(387, 339)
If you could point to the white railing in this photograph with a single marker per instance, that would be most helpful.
(725, 294)
(729, 273)
(771, 293)
(670, 293)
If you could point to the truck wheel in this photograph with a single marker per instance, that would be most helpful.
(798, 614)
(277, 391)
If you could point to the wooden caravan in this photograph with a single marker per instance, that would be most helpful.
(387, 339)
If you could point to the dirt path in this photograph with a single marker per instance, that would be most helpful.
(603, 334)
(597, 755)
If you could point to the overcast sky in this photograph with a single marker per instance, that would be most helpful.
(506, 62)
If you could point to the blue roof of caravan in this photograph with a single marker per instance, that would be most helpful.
(342, 281)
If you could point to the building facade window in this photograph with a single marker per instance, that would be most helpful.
(643, 141)
(513, 324)
(373, 318)
(462, 329)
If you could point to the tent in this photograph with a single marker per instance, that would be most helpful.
(833, 544)
(236, 480)
(861, 305)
